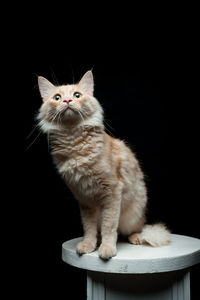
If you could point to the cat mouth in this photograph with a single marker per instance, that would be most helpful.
(68, 111)
(68, 108)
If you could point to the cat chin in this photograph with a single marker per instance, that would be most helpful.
(69, 112)
(70, 116)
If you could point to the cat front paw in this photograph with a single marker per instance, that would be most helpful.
(85, 247)
(107, 251)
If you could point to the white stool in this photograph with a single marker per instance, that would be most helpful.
(138, 272)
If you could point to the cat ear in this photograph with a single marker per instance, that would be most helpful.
(87, 83)
(46, 88)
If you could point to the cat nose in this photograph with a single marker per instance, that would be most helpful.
(67, 101)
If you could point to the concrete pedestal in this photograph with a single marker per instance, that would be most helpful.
(138, 272)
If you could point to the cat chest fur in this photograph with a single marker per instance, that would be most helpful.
(76, 156)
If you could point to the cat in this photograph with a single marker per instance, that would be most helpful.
(101, 171)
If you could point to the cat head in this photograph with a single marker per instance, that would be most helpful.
(69, 105)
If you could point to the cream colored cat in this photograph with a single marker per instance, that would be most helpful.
(101, 171)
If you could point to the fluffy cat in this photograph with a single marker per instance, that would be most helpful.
(101, 171)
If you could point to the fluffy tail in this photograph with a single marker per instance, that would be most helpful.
(155, 235)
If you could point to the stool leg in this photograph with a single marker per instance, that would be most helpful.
(95, 286)
(181, 287)
(156, 286)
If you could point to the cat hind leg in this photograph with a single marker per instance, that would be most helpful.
(155, 235)
(135, 239)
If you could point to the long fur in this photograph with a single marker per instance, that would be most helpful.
(101, 171)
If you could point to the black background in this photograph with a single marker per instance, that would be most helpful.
(147, 89)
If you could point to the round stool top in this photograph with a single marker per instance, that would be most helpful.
(183, 252)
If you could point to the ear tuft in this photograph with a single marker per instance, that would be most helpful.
(46, 88)
(87, 83)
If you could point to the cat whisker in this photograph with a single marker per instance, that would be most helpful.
(109, 131)
(81, 116)
(57, 114)
(34, 128)
(108, 125)
(33, 141)
(59, 119)
(80, 113)
(104, 127)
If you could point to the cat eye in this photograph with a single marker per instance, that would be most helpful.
(57, 97)
(77, 95)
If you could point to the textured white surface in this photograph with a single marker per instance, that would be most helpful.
(183, 252)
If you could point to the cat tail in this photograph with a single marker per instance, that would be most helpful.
(155, 235)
